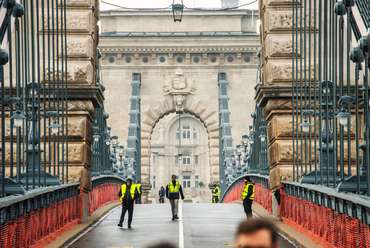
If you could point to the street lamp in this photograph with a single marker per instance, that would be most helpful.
(35, 174)
(177, 10)
(239, 168)
(305, 125)
(325, 170)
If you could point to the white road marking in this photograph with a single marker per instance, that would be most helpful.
(181, 227)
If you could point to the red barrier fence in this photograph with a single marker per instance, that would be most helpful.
(323, 225)
(103, 194)
(262, 195)
(39, 228)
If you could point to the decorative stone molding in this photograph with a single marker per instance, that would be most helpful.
(80, 48)
(281, 2)
(84, 105)
(278, 46)
(78, 73)
(77, 22)
(184, 49)
(79, 3)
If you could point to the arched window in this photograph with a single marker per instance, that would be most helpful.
(186, 158)
(195, 133)
(186, 131)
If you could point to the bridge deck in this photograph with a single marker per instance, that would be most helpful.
(199, 225)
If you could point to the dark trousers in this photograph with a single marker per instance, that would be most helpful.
(138, 200)
(130, 207)
(215, 199)
(248, 208)
(161, 200)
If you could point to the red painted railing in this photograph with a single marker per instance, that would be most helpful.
(40, 227)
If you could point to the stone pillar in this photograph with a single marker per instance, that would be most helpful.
(84, 95)
(275, 93)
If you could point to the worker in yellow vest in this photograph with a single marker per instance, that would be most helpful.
(173, 191)
(139, 189)
(248, 196)
(127, 194)
(215, 194)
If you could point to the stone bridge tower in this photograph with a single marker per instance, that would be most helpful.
(179, 65)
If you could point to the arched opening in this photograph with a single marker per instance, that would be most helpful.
(186, 135)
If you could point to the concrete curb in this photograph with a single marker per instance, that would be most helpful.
(68, 236)
(289, 232)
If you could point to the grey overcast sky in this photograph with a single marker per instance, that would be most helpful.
(166, 3)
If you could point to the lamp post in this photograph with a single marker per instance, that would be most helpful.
(245, 149)
(177, 10)
(96, 153)
(325, 171)
(35, 174)
(121, 169)
(252, 168)
(358, 183)
(239, 168)
(9, 185)
(263, 154)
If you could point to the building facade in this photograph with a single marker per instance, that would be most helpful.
(179, 65)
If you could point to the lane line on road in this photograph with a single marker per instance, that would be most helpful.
(181, 228)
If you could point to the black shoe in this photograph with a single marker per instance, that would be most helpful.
(173, 217)
(119, 224)
(129, 227)
(176, 217)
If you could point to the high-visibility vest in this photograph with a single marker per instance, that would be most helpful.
(218, 191)
(245, 191)
(138, 186)
(123, 191)
(173, 189)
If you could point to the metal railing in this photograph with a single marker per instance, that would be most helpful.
(348, 204)
(13, 207)
(33, 60)
(260, 179)
(327, 94)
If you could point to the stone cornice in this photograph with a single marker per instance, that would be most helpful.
(94, 94)
(264, 93)
(218, 49)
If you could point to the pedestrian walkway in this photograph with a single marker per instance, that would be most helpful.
(199, 225)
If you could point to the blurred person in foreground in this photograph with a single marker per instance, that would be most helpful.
(162, 245)
(257, 233)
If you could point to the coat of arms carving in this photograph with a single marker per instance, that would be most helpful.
(179, 86)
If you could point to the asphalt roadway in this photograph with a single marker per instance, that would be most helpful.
(199, 225)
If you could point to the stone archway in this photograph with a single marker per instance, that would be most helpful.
(203, 112)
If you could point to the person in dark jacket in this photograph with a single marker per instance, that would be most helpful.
(173, 191)
(248, 196)
(161, 194)
(127, 195)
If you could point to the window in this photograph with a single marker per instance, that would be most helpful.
(186, 181)
(154, 159)
(186, 131)
(186, 158)
(176, 159)
(196, 159)
(154, 186)
(177, 135)
(196, 181)
(195, 134)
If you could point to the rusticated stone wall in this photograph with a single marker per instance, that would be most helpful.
(275, 93)
(84, 94)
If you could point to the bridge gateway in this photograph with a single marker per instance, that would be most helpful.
(154, 75)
